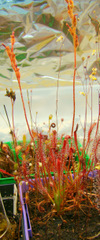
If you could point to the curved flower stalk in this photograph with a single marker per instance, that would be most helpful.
(11, 55)
(60, 39)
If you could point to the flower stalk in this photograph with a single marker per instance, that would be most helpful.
(72, 31)
(11, 55)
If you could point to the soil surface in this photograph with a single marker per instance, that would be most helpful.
(72, 225)
(13, 229)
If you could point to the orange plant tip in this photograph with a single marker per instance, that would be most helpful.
(3, 45)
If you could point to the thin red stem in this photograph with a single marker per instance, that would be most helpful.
(73, 121)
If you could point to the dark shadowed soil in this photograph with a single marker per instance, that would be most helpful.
(72, 225)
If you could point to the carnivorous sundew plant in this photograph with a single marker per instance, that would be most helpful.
(59, 165)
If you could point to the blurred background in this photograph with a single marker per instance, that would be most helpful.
(44, 53)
